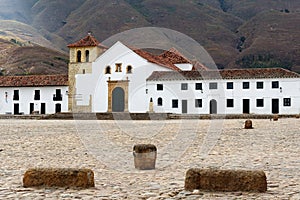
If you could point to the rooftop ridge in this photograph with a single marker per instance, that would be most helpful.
(174, 56)
(34, 80)
(258, 73)
(87, 41)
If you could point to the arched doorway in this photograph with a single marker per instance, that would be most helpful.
(213, 106)
(118, 100)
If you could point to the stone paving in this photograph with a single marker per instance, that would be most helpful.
(106, 148)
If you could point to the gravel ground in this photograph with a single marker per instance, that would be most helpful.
(106, 148)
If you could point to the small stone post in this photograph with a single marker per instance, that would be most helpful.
(248, 124)
(275, 118)
(144, 156)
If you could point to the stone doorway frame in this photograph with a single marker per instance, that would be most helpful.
(111, 86)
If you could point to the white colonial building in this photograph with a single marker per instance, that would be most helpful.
(237, 91)
(39, 94)
(124, 79)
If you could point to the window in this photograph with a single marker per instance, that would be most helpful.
(57, 96)
(198, 103)
(275, 84)
(83, 71)
(159, 101)
(246, 85)
(259, 85)
(160, 87)
(87, 56)
(118, 67)
(78, 56)
(16, 95)
(129, 69)
(198, 86)
(229, 103)
(213, 86)
(259, 102)
(37, 95)
(108, 70)
(174, 103)
(286, 101)
(184, 86)
(229, 85)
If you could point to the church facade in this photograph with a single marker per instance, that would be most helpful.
(114, 80)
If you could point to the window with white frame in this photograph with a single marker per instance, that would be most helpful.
(198, 103)
(259, 85)
(37, 95)
(286, 101)
(174, 103)
(229, 85)
(184, 86)
(246, 85)
(275, 84)
(159, 101)
(198, 86)
(16, 95)
(159, 87)
(213, 86)
(259, 102)
(229, 103)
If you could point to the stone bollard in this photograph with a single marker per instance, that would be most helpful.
(248, 124)
(144, 156)
(275, 117)
(59, 177)
(225, 180)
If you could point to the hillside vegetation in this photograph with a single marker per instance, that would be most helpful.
(236, 33)
(17, 58)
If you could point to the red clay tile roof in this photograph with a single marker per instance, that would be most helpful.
(174, 56)
(156, 59)
(88, 41)
(167, 59)
(199, 66)
(33, 80)
(223, 74)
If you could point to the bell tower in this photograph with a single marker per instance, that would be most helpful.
(81, 55)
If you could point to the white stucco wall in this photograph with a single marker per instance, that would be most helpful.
(26, 96)
(172, 90)
(95, 84)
